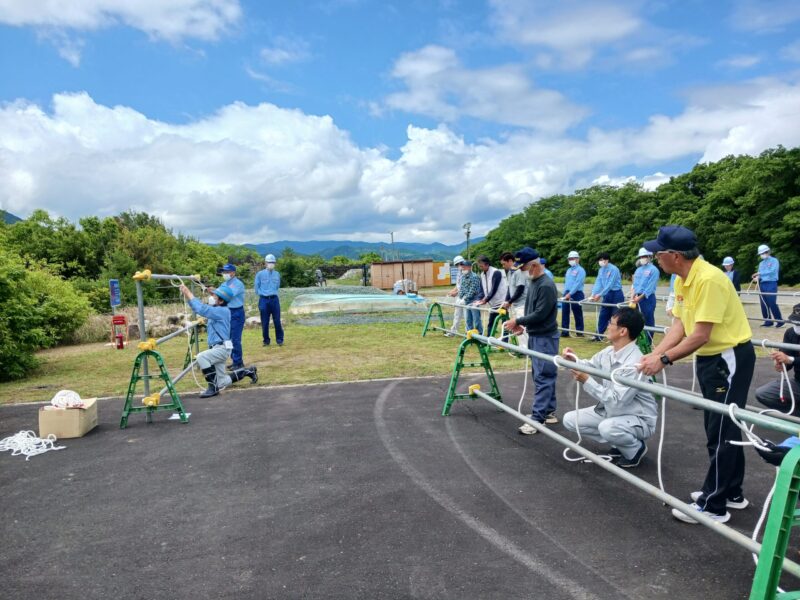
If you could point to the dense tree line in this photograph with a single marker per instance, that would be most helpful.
(733, 205)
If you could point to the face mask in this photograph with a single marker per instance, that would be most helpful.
(796, 329)
(270, 266)
(644, 261)
(764, 255)
(226, 276)
(572, 263)
(211, 300)
(603, 263)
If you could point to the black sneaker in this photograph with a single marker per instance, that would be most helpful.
(614, 452)
(630, 463)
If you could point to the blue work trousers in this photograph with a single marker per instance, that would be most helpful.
(612, 297)
(474, 320)
(647, 306)
(237, 325)
(270, 306)
(576, 309)
(769, 302)
(544, 376)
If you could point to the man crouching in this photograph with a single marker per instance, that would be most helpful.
(623, 417)
(212, 361)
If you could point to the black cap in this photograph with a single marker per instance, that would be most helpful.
(794, 318)
(524, 255)
(672, 237)
(465, 263)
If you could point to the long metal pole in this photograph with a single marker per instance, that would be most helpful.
(169, 336)
(679, 395)
(142, 335)
(178, 377)
(723, 530)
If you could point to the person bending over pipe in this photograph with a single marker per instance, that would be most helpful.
(212, 361)
(769, 394)
(623, 417)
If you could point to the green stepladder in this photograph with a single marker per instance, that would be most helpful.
(434, 307)
(783, 515)
(459, 364)
(154, 399)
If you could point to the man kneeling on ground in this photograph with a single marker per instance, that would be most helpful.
(212, 361)
(623, 417)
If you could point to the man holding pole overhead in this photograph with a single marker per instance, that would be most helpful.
(709, 321)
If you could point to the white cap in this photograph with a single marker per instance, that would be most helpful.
(458, 260)
(762, 248)
(644, 252)
(728, 260)
(573, 254)
(270, 258)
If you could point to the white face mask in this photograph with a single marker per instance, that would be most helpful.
(270, 266)
(211, 300)
(644, 260)
(603, 263)
(765, 255)
(226, 276)
(796, 329)
(573, 262)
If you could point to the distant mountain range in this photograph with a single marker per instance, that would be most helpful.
(352, 249)
(8, 218)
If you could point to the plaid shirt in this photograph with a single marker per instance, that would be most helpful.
(470, 290)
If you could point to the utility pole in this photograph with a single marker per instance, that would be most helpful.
(402, 265)
(466, 227)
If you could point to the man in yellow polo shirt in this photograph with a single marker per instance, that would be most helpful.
(709, 320)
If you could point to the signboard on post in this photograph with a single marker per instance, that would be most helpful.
(116, 296)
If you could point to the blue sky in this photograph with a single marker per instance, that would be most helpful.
(255, 121)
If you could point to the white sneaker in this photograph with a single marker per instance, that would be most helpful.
(527, 429)
(735, 503)
(551, 419)
(687, 519)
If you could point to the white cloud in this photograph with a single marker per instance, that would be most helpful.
(765, 16)
(791, 52)
(438, 85)
(648, 182)
(740, 61)
(170, 20)
(260, 173)
(285, 50)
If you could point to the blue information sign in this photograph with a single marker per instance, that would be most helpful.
(116, 296)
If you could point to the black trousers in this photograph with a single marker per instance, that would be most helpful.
(724, 378)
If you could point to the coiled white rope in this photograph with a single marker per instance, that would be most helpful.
(192, 357)
(28, 444)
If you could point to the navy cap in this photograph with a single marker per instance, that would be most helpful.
(524, 255)
(465, 263)
(543, 261)
(672, 237)
(229, 267)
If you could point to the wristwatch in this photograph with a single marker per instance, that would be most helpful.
(665, 360)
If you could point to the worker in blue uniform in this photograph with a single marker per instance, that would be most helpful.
(267, 284)
(547, 271)
(767, 278)
(608, 289)
(732, 273)
(236, 308)
(643, 290)
(574, 280)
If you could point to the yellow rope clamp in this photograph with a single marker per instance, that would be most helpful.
(140, 275)
(502, 311)
(471, 332)
(150, 344)
(151, 400)
(201, 321)
(474, 388)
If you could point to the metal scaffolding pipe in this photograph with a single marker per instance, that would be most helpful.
(169, 336)
(178, 377)
(668, 392)
(724, 530)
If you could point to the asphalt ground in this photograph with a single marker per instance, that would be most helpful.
(356, 491)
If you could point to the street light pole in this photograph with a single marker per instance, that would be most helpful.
(466, 227)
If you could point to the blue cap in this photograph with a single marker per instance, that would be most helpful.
(672, 237)
(229, 267)
(465, 263)
(224, 292)
(543, 261)
(524, 255)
